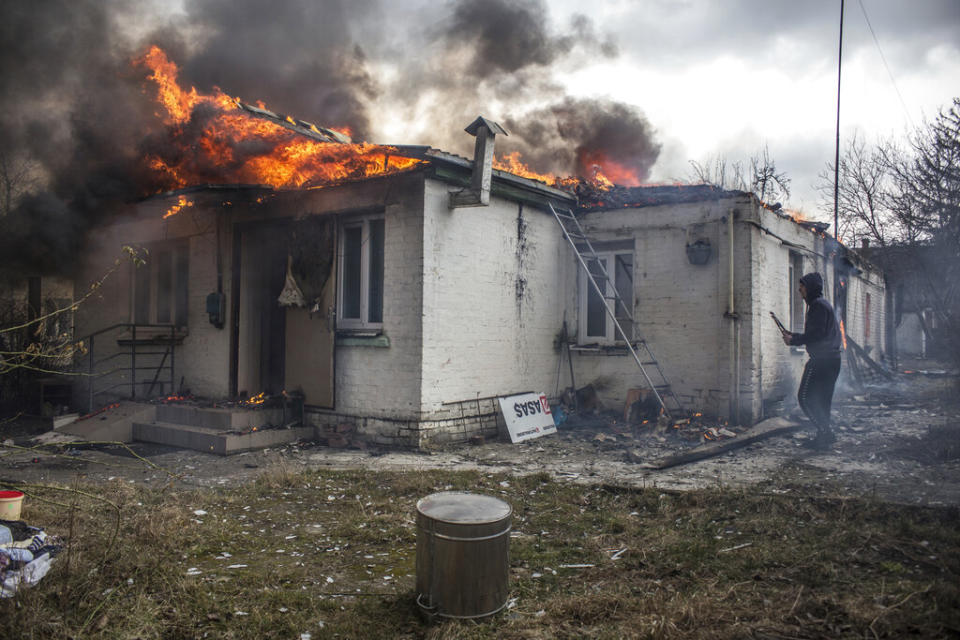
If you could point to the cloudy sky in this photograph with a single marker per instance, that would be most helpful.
(655, 84)
(723, 79)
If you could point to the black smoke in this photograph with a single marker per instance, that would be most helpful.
(77, 117)
(573, 136)
(495, 58)
(80, 116)
(70, 119)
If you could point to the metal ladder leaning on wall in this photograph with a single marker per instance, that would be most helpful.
(573, 232)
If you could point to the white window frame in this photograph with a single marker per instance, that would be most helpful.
(796, 310)
(362, 323)
(178, 285)
(610, 331)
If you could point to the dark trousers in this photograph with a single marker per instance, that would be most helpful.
(816, 390)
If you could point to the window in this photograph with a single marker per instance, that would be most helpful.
(796, 302)
(161, 286)
(361, 274)
(595, 323)
(866, 317)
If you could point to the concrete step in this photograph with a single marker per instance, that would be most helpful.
(213, 440)
(225, 419)
(113, 424)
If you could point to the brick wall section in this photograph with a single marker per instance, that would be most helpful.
(679, 307)
(475, 299)
(774, 367)
(494, 288)
(869, 282)
(382, 385)
(202, 360)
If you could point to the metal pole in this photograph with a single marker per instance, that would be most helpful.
(90, 377)
(133, 365)
(836, 174)
(172, 362)
(836, 156)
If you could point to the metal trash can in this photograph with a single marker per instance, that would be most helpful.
(463, 564)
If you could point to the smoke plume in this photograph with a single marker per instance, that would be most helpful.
(77, 117)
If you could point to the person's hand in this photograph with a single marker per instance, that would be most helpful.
(786, 335)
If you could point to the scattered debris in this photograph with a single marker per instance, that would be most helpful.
(762, 430)
(25, 555)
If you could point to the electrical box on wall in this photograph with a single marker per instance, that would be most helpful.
(217, 308)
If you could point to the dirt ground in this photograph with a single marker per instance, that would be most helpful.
(898, 442)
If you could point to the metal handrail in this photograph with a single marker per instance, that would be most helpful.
(132, 353)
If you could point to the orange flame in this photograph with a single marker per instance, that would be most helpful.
(843, 334)
(607, 171)
(177, 206)
(258, 399)
(236, 146)
(513, 163)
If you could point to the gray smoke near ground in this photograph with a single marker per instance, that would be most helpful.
(80, 116)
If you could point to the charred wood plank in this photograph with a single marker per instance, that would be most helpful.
(766, 429)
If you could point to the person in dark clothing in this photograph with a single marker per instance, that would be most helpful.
(821, 335)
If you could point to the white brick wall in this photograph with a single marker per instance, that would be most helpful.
(475, 299)
(494, 291)
(679, 306)
(384, 383)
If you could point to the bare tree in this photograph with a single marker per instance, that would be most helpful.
(907, 199)
(931, 184)
(719, 172)
(762, 179)
(767, 183)
(866, 192)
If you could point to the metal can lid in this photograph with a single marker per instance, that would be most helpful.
(463, 507)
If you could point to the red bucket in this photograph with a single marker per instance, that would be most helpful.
(10, 504)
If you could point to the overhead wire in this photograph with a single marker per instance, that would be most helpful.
(885, 65)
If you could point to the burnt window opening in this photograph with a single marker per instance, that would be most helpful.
(161, 286)
(796, 301)
(595, 324)
(59, 322)
(361, 274)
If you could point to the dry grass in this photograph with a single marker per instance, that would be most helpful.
(333, 554)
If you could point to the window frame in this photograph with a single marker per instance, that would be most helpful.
(796, 312)
(146, 290)
(866, 316)
(363, 322)
(609, 336)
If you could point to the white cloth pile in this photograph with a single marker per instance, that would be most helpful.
(25, 555)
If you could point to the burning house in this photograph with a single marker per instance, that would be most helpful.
(400, 290)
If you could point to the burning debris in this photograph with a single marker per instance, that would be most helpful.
(215, 138)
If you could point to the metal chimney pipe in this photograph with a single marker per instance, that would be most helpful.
(478, 194)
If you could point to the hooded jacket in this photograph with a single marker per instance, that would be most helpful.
(821, 333)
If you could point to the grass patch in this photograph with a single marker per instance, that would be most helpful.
(333, 554)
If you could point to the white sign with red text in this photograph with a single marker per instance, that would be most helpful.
(527, 416)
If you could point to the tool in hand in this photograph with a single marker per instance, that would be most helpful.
(782, 328)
